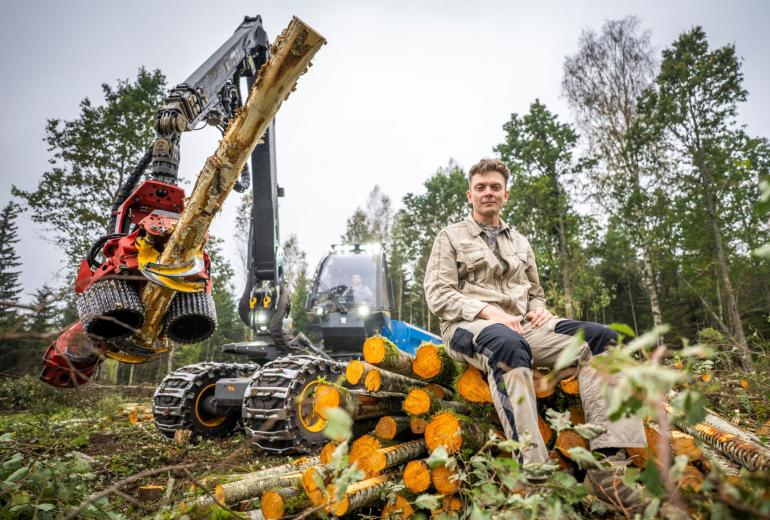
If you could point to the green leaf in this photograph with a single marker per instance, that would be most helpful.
(426, 501)
(691, 405)
(558, 420)
(17, 475)
(46, 507)
(583, 458)
(762, 252)
(439, 457)
(569, 354)
(7, 437)
(339, 425)
(648, 339)
(589, 431)
(623, 329)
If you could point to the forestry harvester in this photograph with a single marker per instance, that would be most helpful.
(350, 300)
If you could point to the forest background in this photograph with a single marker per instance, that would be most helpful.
(648, 206)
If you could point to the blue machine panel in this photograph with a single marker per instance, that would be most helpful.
(408, 337)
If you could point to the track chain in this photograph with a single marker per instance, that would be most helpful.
(270, 413)
(173, 404)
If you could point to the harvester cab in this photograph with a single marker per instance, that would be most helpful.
(351, 299)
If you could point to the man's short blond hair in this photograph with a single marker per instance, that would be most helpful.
(489, 165)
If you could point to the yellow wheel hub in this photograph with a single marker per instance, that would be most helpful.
(209, 422)
(311, 421)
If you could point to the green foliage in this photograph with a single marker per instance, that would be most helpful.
(90, 158)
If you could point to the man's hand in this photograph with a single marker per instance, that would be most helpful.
(492, 313)
(538, 316)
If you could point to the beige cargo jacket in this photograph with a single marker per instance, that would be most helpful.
(463, 275)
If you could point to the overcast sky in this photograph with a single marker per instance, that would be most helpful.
(400, 88)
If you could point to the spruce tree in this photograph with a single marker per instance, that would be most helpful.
(10, 287)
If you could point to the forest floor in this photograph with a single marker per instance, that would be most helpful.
(59, 448)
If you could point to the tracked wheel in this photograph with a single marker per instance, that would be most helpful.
(277, 414)
(179, 401)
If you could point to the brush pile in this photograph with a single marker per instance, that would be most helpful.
(432, 419)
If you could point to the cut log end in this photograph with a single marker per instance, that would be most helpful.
(473, 387)
(567, 439)
(570, 386)
(326, 396)
(417, 425)
(400, 508)
(327, 451)
(374, 350)
(445, 430)
(387, 428)
(417, 402)
(427, 361)
(445, 480)
(437, 390)
(354, 372)
(417, 476)
(272, 505)
(373, 380)
(362, 448)
(545, 430)
(311, 477)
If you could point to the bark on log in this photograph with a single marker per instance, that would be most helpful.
(746, 453)
(423, 402)
(359, 495)
(277, 503)
(432, 363)
(472, 386)
(385, 458)
(331, 396)
(234, 492)
(416, 476)
(391, 426)
(714, 459)
(377, 380)
(290, 58)
(251, 484)
(383, 353)
(455, 433)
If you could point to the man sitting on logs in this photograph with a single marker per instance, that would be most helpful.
(482, 282)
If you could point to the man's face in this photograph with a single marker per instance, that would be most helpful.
(488, 193)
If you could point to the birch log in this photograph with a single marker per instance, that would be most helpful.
(291, 55)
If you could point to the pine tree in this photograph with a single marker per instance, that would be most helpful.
(9, 260)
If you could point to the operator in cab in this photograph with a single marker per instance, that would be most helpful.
(482, 282)
(358, 292)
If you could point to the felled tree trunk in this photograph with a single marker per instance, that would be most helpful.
(385, 458)
(277, 503)
(391, 426)
(251, 484)
(385, 354)
(356, 371)
(331, 396)
(359, 495)
(290, 58)
(377, 380)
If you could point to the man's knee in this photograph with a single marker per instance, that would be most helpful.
(504, 347)
(598, 336)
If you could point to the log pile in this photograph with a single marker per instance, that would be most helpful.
(428, 402)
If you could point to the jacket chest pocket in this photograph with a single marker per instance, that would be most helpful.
(517, 263)
(475, 263)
